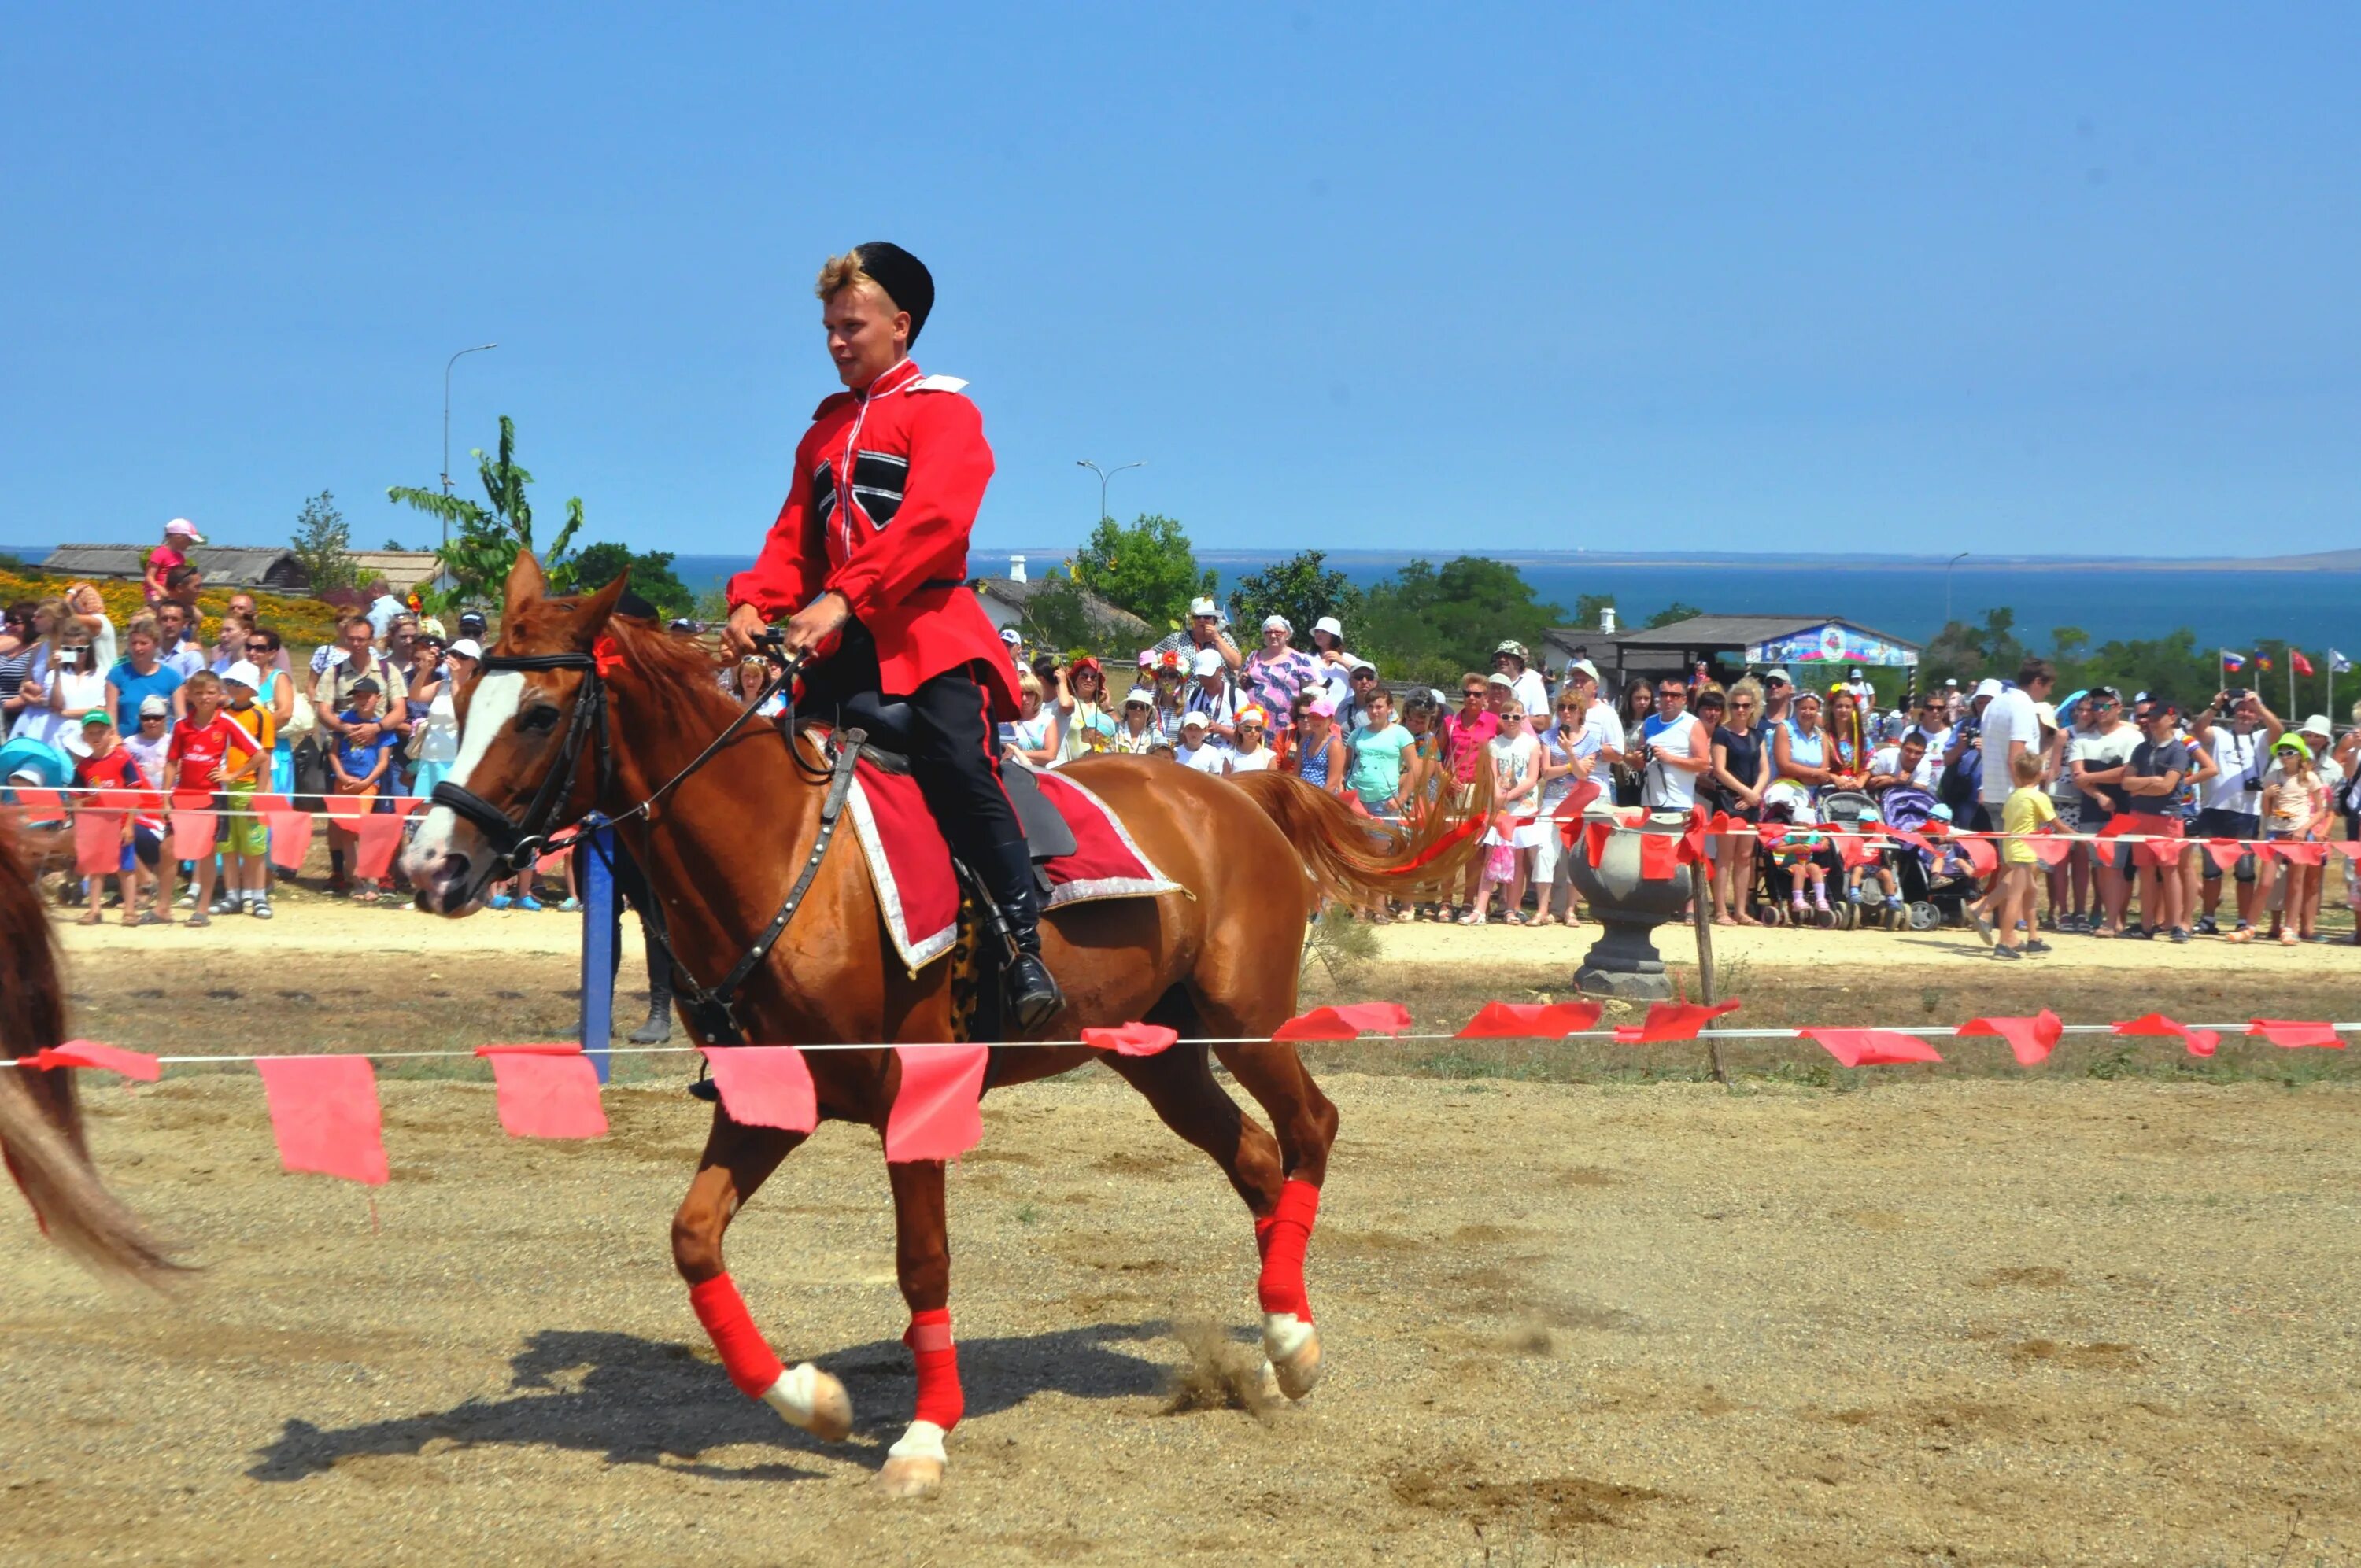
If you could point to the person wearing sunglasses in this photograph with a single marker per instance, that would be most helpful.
(2097, 755)
(1741, 773)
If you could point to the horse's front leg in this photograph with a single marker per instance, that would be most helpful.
(736, 1161)
(922, 1258)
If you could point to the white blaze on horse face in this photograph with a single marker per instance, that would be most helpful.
(492, 706)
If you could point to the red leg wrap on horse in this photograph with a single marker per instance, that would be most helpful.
(746, 1354)
(929, 1339)
(1283, 1239)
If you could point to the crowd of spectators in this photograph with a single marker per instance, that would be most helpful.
(2144, 785)
(2136, 784)
(210, 725)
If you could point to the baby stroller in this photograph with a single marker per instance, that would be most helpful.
(1937, 885)
(1850, 811)
(1801, 855)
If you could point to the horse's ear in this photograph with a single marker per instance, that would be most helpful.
(525, 584)
(591, 616)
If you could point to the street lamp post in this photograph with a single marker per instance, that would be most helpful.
(446, 427)
(1947, 584)
(1104, 475)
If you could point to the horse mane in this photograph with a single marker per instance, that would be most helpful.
(685, 669)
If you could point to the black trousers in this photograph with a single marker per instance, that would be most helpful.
(954, 750)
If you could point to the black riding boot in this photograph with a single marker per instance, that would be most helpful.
(1032, 991)
(658, 1028)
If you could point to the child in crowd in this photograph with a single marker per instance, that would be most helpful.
(150, 746)
(358, 770)
(1797, 852)
(1857, 874)
(104, 765)
(2027, 811)
(246, 842)
(199, 755)
(168, 556)
(1195, 750)
(1515, 757)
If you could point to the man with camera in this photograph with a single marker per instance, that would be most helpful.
(2238, 730)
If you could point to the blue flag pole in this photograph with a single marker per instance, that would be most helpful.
(597, 941)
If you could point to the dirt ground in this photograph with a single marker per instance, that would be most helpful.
(1578, 1308)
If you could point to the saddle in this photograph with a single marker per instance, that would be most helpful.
(888, 727)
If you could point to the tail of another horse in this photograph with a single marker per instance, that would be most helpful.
(40, 1121)
(1356, 858)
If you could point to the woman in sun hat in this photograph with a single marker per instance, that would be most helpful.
(1089, 726)
(1251, 755)
(1137, 735)
(2294, 810)
(1275, 673)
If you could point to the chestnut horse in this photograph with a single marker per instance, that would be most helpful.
(41, 1119)
(724, 849)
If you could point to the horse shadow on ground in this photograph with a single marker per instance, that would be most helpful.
(639, 1401)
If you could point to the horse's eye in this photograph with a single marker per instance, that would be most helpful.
(537, 720)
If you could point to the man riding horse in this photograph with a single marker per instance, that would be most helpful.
(868, 565)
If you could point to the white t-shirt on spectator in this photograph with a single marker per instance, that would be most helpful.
(1887, 761)
(1209, 758)
(2240, 757)
(2008, 717)
(1938, 742)
(1533, 692)
(1606, 722)
(1257, 761)
(2098, 753)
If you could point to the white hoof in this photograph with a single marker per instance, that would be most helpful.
(914, 1466)
(813, 1401)
(1293, 1346)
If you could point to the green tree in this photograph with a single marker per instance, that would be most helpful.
(1147, 568)
(485, 540)
(323, 544)
(1425, 624)
(653, 578)
(1057, 618)
(1672, 612)
(1301, 589)
(1969, 653)
(1591, 612)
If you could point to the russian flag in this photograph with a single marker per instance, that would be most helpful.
(2301, 665)
(2233, 661)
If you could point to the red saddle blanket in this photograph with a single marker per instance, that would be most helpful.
(910, 865)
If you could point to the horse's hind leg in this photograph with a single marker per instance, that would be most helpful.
(1306, 1124)
(736, 1161)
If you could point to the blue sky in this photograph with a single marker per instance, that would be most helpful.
(1383, 277)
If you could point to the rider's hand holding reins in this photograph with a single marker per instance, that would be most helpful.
(805, 631)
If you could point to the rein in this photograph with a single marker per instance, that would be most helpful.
(518, 843)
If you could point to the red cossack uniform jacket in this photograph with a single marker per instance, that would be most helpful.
(885, 490)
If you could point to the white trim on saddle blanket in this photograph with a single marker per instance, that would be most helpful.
(1128, 872)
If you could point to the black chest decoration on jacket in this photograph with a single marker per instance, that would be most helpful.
(878, 480)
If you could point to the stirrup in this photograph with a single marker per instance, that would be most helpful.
(1032, 992)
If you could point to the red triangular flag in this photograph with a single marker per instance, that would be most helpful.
(1979, 851)
(764, 1086)
(546, 1091)
(2301, 852)
(1132, 1039)
(373, 856)
(2225, 853)
(291, 838)
(936, 1113)
(1873, 1048)
(98, 842)
(40, 804)
(1594, 839)
(1671, 1021)
(325, 1113)
(2348, 848)
(266, 804)
(2201, 1042)
(2031, 1038)
(2050, 850)
(1346, 1023)
(105, 1058)
(1660, 856)
(1531, 1021)
(2292, 1035)
(192, 833)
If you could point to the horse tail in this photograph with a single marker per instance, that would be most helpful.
(1355, 857)
(40, 1120)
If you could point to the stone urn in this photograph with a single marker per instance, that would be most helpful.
(1627, 907)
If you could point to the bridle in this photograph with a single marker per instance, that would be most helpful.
(518, 843)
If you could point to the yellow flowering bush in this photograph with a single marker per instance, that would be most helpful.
(301, 623)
